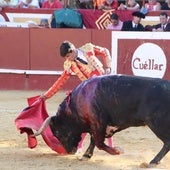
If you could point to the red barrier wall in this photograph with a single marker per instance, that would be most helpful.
(14, 48)
(43, 82)
(38, 49)
(45, 43)
(26, 49)
(13, 82)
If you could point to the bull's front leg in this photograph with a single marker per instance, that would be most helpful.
(101, 145)
(89, 152)
(99, 141)
(161, 154)
(110, 150)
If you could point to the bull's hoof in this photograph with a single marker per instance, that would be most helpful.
(152, 165)
(117, 151)
(84, 158)
(78, 151)
(146, 165)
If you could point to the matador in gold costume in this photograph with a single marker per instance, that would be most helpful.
(84, 63)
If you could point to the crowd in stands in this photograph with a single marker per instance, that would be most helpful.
(150, 5)
(141, 7)
(135, 23)
(31, 3)
(130, 5)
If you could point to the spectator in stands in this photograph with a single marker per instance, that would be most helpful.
(109, 4)
(40, 3)
(131, 5)
(8, 3)
(166, 5)
(153, 5)
(115, 24)
(163, 25)
(134, 25)
(52, 4)
(97, 3)
(84, 4)
(44, 23)
(28, 4)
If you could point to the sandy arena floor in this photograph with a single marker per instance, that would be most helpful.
(139, 144)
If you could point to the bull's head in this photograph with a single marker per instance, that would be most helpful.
(66, 128)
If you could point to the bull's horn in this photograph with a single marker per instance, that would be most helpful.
(43, 127)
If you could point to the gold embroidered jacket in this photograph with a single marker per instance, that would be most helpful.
(83, 71)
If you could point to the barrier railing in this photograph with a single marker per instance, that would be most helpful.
(89, 16)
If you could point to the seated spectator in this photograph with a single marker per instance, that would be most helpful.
(9, 3)
(97, 3)
(52, 4)
(131, 5)
(84, 4)
(148, 28)
(153, 5)
(163, 25)
(166, 5)
(40, 2)
(109, 4)
(134, 25)
(115, 24)
(53, 21)
(28, 4)
(44, 23)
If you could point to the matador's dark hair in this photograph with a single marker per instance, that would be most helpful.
(66, 47)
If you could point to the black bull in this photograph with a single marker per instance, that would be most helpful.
(118, 101)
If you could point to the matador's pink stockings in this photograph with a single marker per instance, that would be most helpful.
(80, 145)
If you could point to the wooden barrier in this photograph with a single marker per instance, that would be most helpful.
(32, 54)
(28, 55)
(45, 46)
(14, 48)
(89, 16)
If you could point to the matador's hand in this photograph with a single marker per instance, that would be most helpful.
(107, 70)
(43, 97)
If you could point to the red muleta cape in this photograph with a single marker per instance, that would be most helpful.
(32, 117)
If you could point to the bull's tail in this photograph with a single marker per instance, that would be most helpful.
(43, 127)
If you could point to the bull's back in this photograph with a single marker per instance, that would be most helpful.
(125, 97)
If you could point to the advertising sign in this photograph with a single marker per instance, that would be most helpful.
(141, 54)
